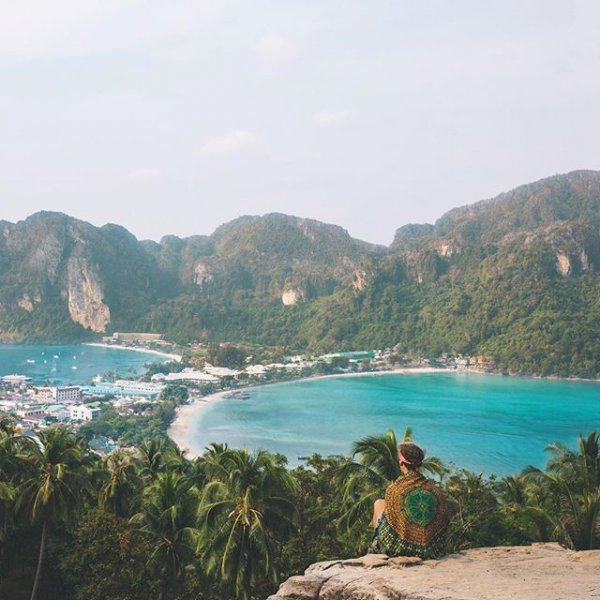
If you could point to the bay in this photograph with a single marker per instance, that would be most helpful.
(70, 363)
(485, 423)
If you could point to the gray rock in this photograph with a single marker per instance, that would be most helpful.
(537, 572)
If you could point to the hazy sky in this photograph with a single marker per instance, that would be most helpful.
(174, 117)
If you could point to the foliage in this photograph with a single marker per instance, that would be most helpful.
(231, 524)
(106, 559)
(131, 429)
(572, 485)
(226, 355)
(247, 501)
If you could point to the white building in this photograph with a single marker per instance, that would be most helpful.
(45, 394)
(67, 394)
(30, 411)
(191, 375)
(256, 370)
(84, 412)
(219, 371)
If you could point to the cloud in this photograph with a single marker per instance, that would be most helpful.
(332, 119)
(144, 175)
(275, 51)
(229, 144)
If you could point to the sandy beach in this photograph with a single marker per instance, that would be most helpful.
(175, 357)
(181, 431)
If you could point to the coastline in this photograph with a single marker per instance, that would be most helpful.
(180, 430)
(175, 357)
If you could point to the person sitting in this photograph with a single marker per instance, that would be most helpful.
(412, 519)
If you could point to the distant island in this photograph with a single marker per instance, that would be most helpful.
(513, 280)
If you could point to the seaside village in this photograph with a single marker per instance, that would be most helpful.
(40, 406)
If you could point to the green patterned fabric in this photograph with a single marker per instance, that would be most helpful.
(420, 506)
(415, 518)
(386, 541)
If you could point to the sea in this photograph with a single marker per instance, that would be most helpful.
(73, 364)
(484, 423)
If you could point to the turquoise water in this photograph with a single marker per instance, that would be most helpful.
(73, 363)
(480, 422)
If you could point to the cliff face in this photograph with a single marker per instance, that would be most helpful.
(538, 572)
(85, 295)
(61, 278)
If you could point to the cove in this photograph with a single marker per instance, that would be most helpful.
(493, 424)
(70, 363)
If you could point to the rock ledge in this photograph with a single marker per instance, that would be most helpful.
(537, 572)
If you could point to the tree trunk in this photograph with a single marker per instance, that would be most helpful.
(38, 572)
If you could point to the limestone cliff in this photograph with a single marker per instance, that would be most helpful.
(85, 295)
(63, 279)
(538, 572)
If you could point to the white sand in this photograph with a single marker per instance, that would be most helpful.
(181, 430)
(175, 357)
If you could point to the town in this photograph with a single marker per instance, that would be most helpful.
(36, 407)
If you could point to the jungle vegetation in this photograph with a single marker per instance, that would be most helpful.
(231, 523)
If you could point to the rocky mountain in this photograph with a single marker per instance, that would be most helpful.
(61, 278)
(277, 257)
(515, 278)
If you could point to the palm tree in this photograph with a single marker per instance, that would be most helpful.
(151, 461)
(572, 479)
(120, 485)
(167, 516)
(12, 468)
(55, 488)
(245, 505)
(374, 467)
(7, 497)
(525, 499)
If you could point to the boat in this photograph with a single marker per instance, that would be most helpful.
(239, 395)
(31, 361)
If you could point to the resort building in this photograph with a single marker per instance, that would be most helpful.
(256, 370)
(124, 387)
(67, 394)
(187, 375)
(219, 371)
(84, 412)
(30, 411)
(134, 337)
(44, 394)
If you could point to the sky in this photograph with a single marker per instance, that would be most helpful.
(175, 117)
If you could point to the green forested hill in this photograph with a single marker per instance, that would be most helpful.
(515, 277)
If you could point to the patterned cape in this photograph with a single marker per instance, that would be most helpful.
(414, 520)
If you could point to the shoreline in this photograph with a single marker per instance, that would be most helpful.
(179, 431)
(175, 357)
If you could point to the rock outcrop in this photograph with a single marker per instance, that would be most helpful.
(537, 572)
(291, 295)
(85, 296)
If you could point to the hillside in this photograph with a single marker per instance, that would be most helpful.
(514, 277)
(63, 279)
